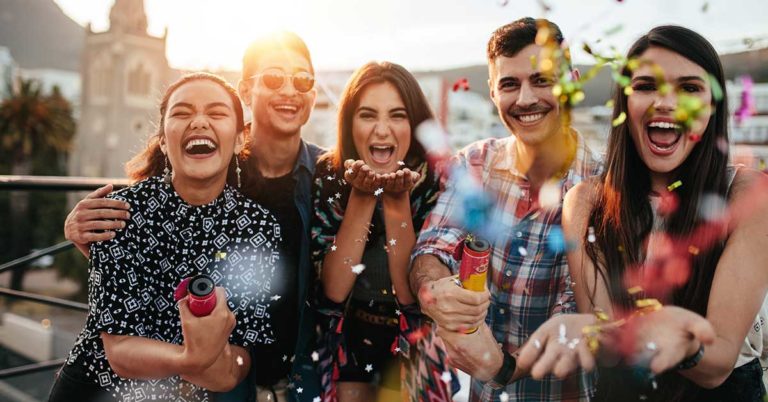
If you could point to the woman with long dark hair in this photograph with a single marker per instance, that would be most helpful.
(670, 220)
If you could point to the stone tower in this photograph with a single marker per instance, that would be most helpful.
(123, 73)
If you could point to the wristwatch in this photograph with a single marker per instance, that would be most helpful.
(691, 361)
(507, 370)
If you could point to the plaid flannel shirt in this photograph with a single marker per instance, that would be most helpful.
(528, 275)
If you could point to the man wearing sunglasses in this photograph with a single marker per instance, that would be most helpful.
(277, 85)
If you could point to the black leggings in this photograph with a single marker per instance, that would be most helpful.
(72, 385)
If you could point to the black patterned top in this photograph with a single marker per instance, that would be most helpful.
(133, 277)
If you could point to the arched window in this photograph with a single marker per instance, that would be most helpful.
(138, 80)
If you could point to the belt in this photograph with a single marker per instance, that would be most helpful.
(376, 319)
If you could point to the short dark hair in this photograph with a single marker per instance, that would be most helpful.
(510, 39)
(276, 41)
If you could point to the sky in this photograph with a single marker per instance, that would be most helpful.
(419, 34)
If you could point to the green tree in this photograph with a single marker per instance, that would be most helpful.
(36, 132)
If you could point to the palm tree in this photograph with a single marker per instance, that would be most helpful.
(31, 123)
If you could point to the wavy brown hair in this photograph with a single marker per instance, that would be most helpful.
(151, 161)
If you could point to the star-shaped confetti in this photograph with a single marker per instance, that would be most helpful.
(397, 312)
(330, 200)
(299, 390)
(378, 191)
(369, 368)
(404, 225)
(401, 163)
(285, 357)
(358, 269)
(446, 377)
(333, 247)
(337, 195)
(275, 297)
(392, 242)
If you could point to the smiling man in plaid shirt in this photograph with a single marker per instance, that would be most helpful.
(528, 279)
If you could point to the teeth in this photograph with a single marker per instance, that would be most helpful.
(381, 147)
(664, 125)
(289, 108)
(527, 118)
(200, 141)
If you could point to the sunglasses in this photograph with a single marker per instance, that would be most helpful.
(275, 79)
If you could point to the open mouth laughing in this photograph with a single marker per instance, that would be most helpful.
(382, 154)
(200, 147)
(663, 136)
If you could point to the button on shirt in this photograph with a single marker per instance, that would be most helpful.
(528, 274)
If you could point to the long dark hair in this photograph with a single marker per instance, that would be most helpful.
(415, 102)
(623, 218)
(151, 161)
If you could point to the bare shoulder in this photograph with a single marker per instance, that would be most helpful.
(748, 182)
(581, 198)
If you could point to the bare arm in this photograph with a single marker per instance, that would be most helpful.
(740, 281)
(95, 218)
(205, 358)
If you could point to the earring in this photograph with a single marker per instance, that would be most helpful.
(166, 172)
(237, 170)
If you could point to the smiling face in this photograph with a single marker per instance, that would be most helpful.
(200, 132)
(284, 110)
(381, 129)
(523, 97)
(662, 142)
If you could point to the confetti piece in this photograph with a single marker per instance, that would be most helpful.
(275, 297)
(504, 397)
(378, 191)
(315, 356)
(747, 106)
(358, 269)
(537, 344)
(556, 240)
(634, 290)
(674, 185)
(403, 225)
(693, 250)
(461, 83)
(333, 247)
(400, 163)
(239, 360)
(522, 251)
(694, 137)
(446, 377)
(392, 242)
(220, 255)
(619, 119)
(717, 90)
(368, 368)
(591, 234)
(614, 30)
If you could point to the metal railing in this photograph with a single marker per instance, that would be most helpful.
(46, 183)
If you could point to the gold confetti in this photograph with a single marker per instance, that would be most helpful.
(674, 185)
